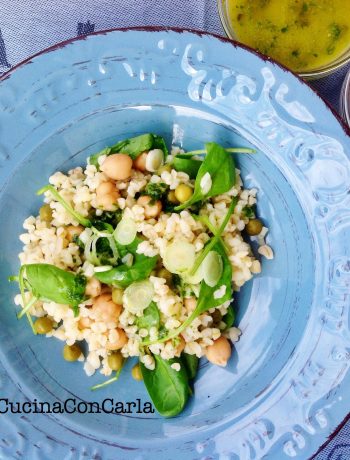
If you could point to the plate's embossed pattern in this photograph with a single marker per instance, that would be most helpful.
(322, 162)
(291, 414)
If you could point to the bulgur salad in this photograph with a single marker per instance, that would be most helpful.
(138, 255)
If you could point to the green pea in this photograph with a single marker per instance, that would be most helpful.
(117, 296)
(115, 361)
(71, 352)
(171, 197)
(45, 213)
(136, 372)
(254, 227)
(43, 325)
(183, 193)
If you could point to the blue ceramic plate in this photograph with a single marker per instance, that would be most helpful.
(287, 386)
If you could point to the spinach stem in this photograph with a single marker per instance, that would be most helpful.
(21, 282)
(175, 332)
(205, 220)
(27, 307)
(213, 241)
(30, 321)
(81, 219)
(230, 150)
(108, 382)
(215, 238)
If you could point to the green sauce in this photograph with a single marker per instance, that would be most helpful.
(303, 35)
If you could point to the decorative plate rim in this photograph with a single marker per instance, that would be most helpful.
(200, 33)
(4, 76)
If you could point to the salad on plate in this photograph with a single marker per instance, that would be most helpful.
(138, 255)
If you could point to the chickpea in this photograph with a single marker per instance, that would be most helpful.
(117, 166)
(106, 188)
(104, 309)
(164, 168)
(190, 303)
(183, 193)
(45, 213)
(140, 162)
(151, 209)
(136, 372)
(219, 352)
(84, 323)
(72, 231)
(43, 325)
(93, 287)
(106, 196)
(120, 340)
(117, 296)
(71, 352)
(164, 273)
(172, 197)
(115, 360)
(254, 227)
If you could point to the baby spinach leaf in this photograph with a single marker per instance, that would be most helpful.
(159, 143)
(229, 318)
(133, 147)
(206, 297)
(188, 165)
(168, 388)
(48, 282)
(150, 317)
(93, 159)
(220, 166)
(131, 248)
(230, 150)
(191, 363)
(124, 275)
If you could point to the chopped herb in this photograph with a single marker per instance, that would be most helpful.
(335, 31)
(284, 29)
(76, 240)
(304, 8)
(249, 211)
(107, 217)
(155, 191)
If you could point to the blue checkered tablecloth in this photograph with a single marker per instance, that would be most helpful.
(28, 26)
